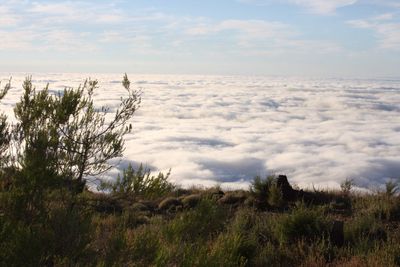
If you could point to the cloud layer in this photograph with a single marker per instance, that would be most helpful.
(226, 130)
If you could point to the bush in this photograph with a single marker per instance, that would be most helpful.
(275, 195)
(363, 230)
(230, 250)
(302, 224)
(140, 183)
(260, 188)
(346, 186)
(205, 219)
(391, 188)
(144, 245)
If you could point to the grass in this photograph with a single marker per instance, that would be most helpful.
(208, 227)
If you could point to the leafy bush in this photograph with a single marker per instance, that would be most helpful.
(364, 229)
(4, 133)
(346, 186)
(140, 183)
(229, 250)
(62, 138)
(144, 244)
(260, 187)
(275, 195)
(302, 224)
(391, 188)
(205, 219)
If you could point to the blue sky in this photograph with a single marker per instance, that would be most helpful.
(336, 38)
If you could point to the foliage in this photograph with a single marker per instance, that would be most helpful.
(4, 132)
(302, 224)
(47, 220)
(260, 189)
(275, 196)
(199, 223)
(68, 132)
(391, 188)
(139, 183)
(346, 186)
(58, 140)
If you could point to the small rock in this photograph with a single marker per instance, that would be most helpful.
(168, 203)
(191, 201)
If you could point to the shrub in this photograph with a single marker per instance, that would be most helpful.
(197, 224)
(230, 250)
(275, 195)
(65, 136)
(144, 244)
(346, 186)
(140, 183)
(5, 134)
(386, 208)
(391, 188)
(260, 187)
(302, 224)
(363, 230)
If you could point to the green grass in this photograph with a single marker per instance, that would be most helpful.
(208, 232)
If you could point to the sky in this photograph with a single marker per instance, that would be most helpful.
(328, 38)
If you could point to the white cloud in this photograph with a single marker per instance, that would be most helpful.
(260, 37)
(57, 26)
(224, 129)
(386, 30)
(7, 17)
(321, 7)
(67, 12)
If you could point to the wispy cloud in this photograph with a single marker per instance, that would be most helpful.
(386, 29)
(7, 17)
(260, 37)
(321, 7)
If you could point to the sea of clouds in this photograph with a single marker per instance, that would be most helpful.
(225, 130)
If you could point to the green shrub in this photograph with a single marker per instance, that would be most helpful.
(230, 250)
(260, 188)
(144, 244)
(302, 224)
(275, 196)
(205, 219)
(140, 183)
(346, 186)
(364, 230)
(391, 188)
(20, 245)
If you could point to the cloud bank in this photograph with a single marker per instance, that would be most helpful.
(225, 130)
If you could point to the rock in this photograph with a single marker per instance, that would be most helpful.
(251, 202)
(139, 207)
(232, 198)
(191, 201)
(106, 204)
(214, 194)
(169, 203)
(288, 193)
